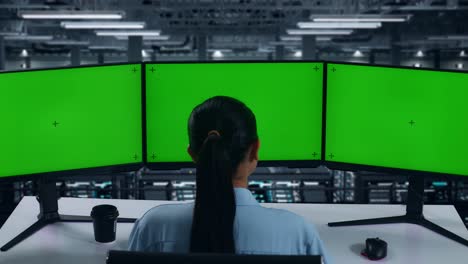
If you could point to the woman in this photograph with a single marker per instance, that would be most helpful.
(225, 218)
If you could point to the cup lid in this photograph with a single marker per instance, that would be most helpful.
(104, 210)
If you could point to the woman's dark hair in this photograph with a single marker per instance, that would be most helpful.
(221, 130)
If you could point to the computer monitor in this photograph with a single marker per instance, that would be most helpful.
(286, 99)
(403, 120)
(385, 118)
(56, 121)
(128, 257)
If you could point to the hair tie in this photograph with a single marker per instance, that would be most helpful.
(214, 132)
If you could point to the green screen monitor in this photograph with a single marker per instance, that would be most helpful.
(396, 119)
(286, 99)
(61, 120)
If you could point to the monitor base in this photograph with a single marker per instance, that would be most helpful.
(49, 214)
(413, 215)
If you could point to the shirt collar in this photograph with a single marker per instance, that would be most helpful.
(244, 197)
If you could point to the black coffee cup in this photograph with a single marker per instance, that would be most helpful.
(104, 222)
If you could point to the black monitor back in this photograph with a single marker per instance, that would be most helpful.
(129, 257)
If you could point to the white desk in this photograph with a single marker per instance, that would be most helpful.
(74, 242)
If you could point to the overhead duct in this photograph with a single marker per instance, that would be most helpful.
(49, 49)
(188, 45)
(362, 38)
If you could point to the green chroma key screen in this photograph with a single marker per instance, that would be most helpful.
(286, 99)
(397, 118)
(56, 120)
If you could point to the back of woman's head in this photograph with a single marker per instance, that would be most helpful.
(221, 131)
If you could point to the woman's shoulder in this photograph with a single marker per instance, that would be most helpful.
(284, 214)
(295, 221)
(168, 213)
(162, 226)
(282, 218)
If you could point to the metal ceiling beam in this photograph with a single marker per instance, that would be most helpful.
(24, 6)
(262, 19)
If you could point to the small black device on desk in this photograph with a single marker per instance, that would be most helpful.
(375, 249)
(129, 257)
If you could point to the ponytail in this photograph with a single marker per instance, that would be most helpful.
(215, 208)
(221, 130)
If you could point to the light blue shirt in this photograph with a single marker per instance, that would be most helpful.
(257, 230)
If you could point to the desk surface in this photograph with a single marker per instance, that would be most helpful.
(74, 242)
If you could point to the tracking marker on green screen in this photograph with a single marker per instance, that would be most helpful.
(286, 99)
(68, 119)
(397, 118)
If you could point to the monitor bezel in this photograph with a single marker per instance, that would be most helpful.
(280, 163)
(107, 169)
(263, 163)
(335, 165)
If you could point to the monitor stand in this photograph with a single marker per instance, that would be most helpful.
(414, 213)
(48, 213)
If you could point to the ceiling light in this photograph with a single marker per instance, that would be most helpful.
(290, 38)
(374, 47)
(24, 6)
(358, 53)
(128, 33)
(448, 37)
(264, 49)
(400, 6)
(160, 37)
(220, 50)
(419, 53)
(298, 54)
(29, 38)
(163, 43)
(360, 18)
(299, 38)
(181, 49)
(218, 54)
(24, 53)
(116, 48)
(102, 25)
(4, 33)
(144, 53)
(318, 32)
(358, 25)
(288, 43)
(438, 38)
(323, 38)
(457, 37)
(285, 43)
(462, 53)
(67, 43)
(71, 14)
